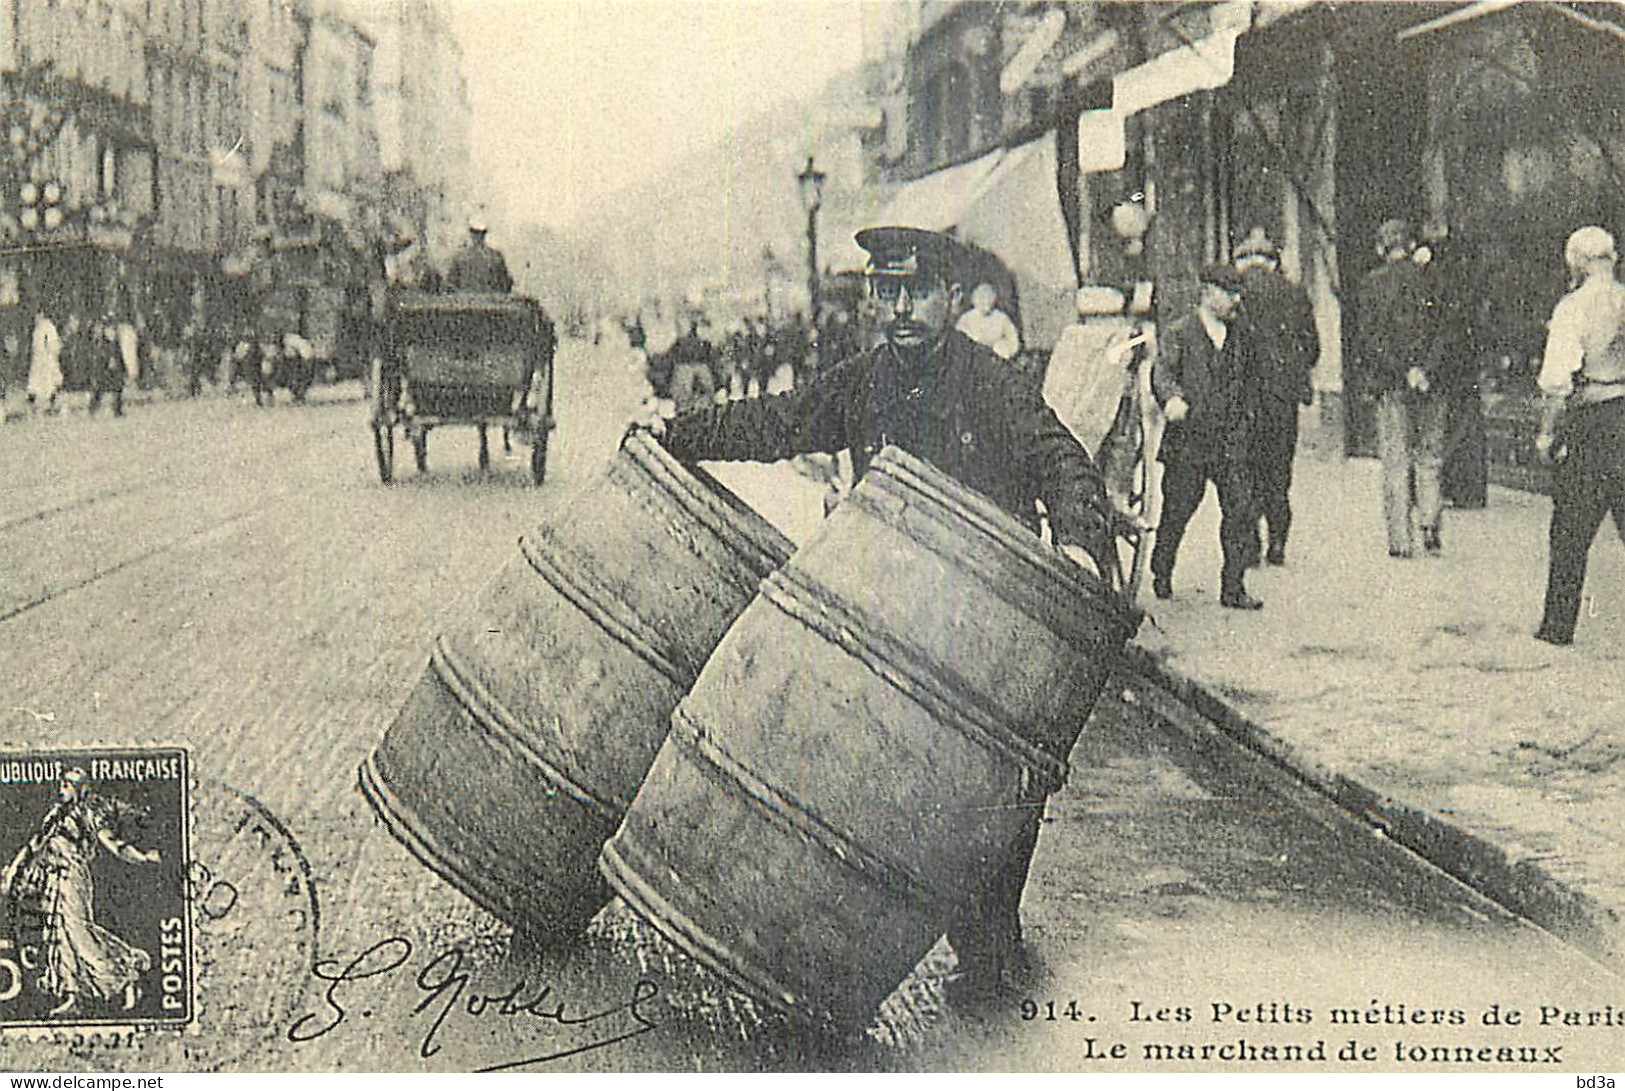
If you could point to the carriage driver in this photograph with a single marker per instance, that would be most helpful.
(478, 267)
(937, 394)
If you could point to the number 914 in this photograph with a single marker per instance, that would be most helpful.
(1051, 1011)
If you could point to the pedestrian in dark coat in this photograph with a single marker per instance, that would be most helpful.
(1201, 382)
(938, 395)
(692, 360)
(261, 365)
(1397, 326)
(1276, 328)
(107, 371)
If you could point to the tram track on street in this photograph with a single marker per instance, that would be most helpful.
(129, 486)
(138, 485)
(115, 486)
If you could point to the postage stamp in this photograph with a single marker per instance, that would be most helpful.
(94, 924)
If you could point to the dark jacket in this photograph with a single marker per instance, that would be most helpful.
(478, 269)
(101, 355)
(1395, 327)
(1277, 333)
(1213, 382)
(958, 408)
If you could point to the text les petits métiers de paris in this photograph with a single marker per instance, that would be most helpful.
(1374, 1013)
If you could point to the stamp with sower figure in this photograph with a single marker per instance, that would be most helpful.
(94, 921)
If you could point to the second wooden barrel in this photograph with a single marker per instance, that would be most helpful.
(541, 708)
(863, 745)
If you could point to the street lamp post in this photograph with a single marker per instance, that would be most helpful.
(811, 183)
(770, 269)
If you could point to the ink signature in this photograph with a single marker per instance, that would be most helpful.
(445, 986)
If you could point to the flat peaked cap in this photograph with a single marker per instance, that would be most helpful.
(907, 251)
(1257, 243)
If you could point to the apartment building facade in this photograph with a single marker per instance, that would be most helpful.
(172, 156)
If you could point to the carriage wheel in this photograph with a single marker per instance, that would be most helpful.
(383, 442)
(420, 449)
(485, 450)
(538, 456)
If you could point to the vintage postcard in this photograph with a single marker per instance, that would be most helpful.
(812, 536)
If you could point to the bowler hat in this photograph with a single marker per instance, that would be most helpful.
(1258, 244)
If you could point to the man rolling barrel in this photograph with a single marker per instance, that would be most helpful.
(934, 392)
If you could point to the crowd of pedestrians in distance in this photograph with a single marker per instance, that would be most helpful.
(111, 355)
(690, 359)
(231, 333)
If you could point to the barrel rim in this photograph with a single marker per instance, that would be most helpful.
(919, 476)
(405, 827)
(713, 503)
(694, 939)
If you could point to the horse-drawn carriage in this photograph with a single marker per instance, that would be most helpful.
(463, 358)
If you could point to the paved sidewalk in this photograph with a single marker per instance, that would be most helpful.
(1413, 691)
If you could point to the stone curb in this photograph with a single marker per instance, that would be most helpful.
(1522, 888)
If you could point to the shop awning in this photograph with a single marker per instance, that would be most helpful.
(840, 221)
(1006, 203)
(1016, 214)
(937, 201)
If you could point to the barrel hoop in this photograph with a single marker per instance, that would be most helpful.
(503, 725)
(949, 699)
(1066, 614)
(399, 819)
(687, 528)
(579, 585)
(791, 814)
(1062, 614)
(689, 935)
(744, 531)
(971, 506)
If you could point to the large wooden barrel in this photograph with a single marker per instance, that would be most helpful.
(524, 741)
(864, 744)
